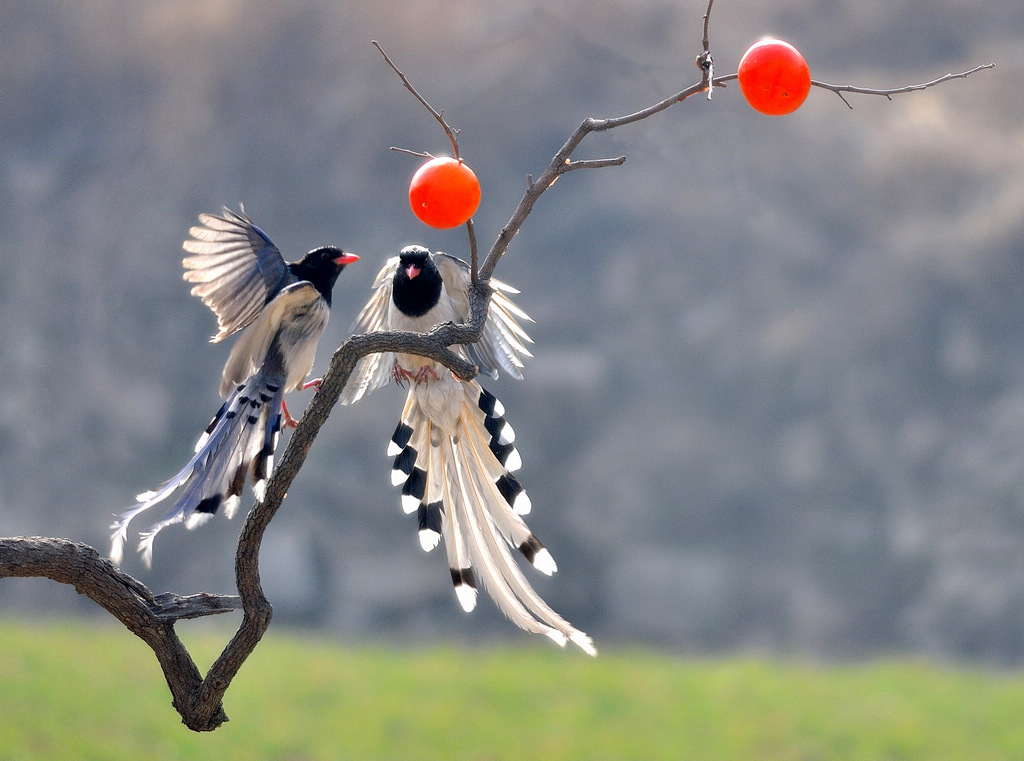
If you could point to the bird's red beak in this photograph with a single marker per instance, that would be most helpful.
(412, 271)
(346, 259)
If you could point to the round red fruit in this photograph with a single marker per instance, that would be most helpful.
(444, 192)
(774, 77)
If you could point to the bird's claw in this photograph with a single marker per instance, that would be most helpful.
(421, 375)
(287, 421)
(398, 374)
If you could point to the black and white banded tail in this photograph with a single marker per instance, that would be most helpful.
(239, 442)
(460, 482)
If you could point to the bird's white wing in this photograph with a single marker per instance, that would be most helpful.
(373, 370)
(503, 343)
(236, 269)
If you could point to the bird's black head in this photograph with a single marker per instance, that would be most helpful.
(417, 285)
(321, 267)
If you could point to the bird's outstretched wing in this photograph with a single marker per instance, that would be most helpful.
(503, 343)
(502, 346)
(236, 268)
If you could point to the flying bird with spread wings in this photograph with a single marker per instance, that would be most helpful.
(453, 450)
(281, 310)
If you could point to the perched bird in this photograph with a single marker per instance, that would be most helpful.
(282, 307)
(453, 449)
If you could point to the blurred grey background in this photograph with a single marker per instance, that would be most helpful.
(777, 403)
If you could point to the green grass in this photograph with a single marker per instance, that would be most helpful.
(72, 691)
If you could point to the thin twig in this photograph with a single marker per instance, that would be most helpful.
(704, 61)
(707, 23)
(562, 163)
(174, 607)
(417, 154)
(840, 89)
(593, 163)
(451, 133)
(474, 270)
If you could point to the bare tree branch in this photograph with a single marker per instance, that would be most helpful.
(562, 162)
(840, 89)
(197, 699)
(593, 163)
(452, 134)
(704, 61)
(257, 609)
(174, 607)
(474, 256)
(417, 154)
(127, 599)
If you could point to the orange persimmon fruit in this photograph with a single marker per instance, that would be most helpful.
(774, 77)
(444, 192)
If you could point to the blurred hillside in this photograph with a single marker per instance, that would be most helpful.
(778, 394)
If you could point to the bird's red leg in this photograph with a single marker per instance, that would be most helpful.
(422, 374)
(288, 421)
(400, 374)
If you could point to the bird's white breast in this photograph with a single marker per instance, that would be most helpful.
(302, 330)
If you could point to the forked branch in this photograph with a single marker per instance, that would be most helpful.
(451, 133)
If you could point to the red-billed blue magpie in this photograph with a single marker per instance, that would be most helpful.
(281, 310)
(453, 450)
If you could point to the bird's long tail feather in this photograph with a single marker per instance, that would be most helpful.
(240, 440)
(460, 482)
